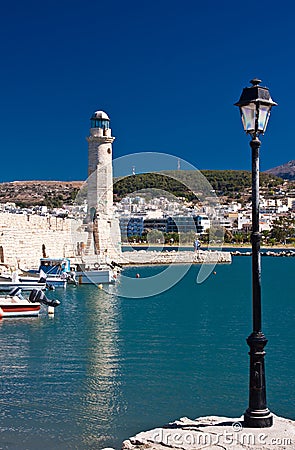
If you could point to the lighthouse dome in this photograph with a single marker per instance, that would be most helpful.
(100, 115)
(100, 119)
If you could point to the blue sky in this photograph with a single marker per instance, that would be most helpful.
(167, 73)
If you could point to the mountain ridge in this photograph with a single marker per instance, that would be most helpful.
(285, 171)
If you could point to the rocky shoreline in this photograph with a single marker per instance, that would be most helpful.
(213, 433)
(282, 253)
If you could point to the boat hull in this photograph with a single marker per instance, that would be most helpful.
(6, 286)
(95, 277)
(57, 283)
(14, 307)
(50, 281)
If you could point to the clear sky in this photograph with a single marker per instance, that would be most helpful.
(166, 72)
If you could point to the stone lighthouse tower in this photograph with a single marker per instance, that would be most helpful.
(104, 238)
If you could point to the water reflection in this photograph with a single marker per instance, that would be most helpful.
(101, 392)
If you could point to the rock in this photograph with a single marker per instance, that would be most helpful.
(215, 433)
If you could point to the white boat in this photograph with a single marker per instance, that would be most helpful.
(51, 281)
(9, 283)
(96, 274)
(15, 305)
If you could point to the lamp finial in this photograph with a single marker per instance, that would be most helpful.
(255, 81)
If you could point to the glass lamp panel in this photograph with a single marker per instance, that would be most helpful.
(248, 113)
(264, 113)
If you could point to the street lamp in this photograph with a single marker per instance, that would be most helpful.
(255, 105)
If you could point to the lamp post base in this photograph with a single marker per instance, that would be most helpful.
(258, 419)
(257, 415)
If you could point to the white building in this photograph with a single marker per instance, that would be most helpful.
(202, 223)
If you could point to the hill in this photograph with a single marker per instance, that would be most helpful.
(285, 171)
(183, 183)
(228, 183)
(49, 193)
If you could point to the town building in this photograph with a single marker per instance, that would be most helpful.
(131, 226)
(136, 226)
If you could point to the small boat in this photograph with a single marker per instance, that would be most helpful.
(99, 273)
(11, 282)
(15, 305)
(51, 281)
(52, 270)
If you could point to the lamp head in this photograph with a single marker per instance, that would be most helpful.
(255, 105)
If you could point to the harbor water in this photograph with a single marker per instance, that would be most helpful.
(106, 367)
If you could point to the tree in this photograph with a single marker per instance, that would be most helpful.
(283, 228)
(169, 236)
(155, 237)
(238, 237)
(228, 236)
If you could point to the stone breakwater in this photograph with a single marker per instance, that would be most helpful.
(213, 433)
(144, 257)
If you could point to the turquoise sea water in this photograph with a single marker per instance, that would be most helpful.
(106, 367)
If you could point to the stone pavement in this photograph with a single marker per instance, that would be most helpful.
(215, 433)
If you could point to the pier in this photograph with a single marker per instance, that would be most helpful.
(143, 257)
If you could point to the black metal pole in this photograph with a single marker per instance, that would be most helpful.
(257, 415)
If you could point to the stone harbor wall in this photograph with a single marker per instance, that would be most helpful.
(24, 239)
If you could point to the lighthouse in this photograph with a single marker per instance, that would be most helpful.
(104, 238)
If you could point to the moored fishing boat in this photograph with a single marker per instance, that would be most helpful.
(53, 270)
(98, 273)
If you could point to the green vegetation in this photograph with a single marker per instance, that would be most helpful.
(157, 237)
(188, 183)
(53, 200)
(166, 183)
(283, 231)
(231, 182)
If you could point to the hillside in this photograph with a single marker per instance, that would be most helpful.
(228, 183)
(49, 193)
(285, 171)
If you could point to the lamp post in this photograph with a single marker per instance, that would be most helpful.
(255, 105)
